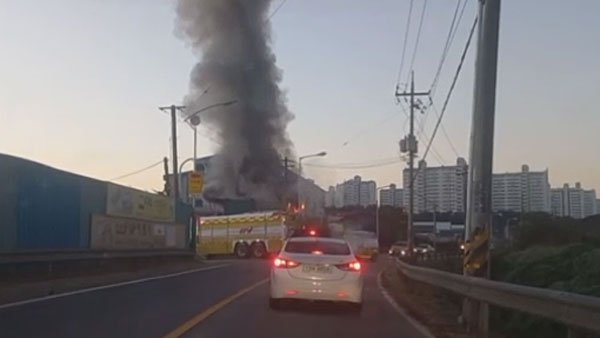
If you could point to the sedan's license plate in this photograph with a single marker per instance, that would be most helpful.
(316, 269)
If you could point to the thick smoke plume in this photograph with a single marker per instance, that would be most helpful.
(233, 39)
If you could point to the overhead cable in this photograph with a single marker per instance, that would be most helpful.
(137, 171)
(462, 59)
(414, 55)
(277, 9)
(448, 44)
(364, 165)
(406, 31)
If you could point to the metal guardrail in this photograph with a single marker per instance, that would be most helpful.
(573, 310)
(81, 255)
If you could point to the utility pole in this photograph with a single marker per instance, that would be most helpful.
(173, 110)
(167, 188)
(195, 146)
(409, 145)
(285, 171)
(288, 198)
(479, 190)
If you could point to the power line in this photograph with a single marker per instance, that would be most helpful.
(406, 31)
(414, 55)
(424, 139)
(449, 39)
(369, 129)
(422, 126)
(137, 171)
(354, 168)
(353, 165)
(422, 136)
(364, 165)
(462, 12)
(277, 9)
(448, 44)
(462, 59)
(444, 131)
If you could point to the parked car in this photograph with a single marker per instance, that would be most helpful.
(423, 249)
(399, 248)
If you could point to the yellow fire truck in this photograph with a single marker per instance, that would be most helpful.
(251, 234)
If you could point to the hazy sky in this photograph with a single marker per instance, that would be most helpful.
(81, 80)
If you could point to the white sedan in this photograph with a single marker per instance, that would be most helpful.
(316, 268)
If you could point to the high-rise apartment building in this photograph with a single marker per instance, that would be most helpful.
(574, 202)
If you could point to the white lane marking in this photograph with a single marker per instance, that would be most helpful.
(420, 327)
(108, 286)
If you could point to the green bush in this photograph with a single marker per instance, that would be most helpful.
(572, 267)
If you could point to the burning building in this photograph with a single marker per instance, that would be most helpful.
(233, 40)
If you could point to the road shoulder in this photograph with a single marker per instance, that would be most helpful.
(435, 311)
(424, 331)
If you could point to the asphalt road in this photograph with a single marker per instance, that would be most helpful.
(203, 301)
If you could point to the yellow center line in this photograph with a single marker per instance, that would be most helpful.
(190, 323)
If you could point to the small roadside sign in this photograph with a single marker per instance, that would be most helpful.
(195, 182)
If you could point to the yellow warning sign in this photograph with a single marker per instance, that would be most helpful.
(475, 255)
(195, 182)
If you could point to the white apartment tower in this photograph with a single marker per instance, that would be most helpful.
(392, 196)
(574, 202)
(353, 192)
(440, 189)
(525, 191)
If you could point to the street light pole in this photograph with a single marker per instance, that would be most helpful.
(173, 110)
(321, 154)
(195, 146)
(195, 114)
(181, 173)
(194, 120)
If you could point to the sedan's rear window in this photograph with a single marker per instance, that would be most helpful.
(317, 247)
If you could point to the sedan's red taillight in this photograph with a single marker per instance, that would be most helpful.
(352, 266)
(284, 263)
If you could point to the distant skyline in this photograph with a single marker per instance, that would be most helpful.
(81, 82)
(516, 170)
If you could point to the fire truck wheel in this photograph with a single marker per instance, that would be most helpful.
(241, 250)
(258, 250)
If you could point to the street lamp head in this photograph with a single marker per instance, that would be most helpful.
(222, 104)
(321, 154)
(194, 120)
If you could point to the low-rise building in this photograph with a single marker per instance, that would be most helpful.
(308, 193)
